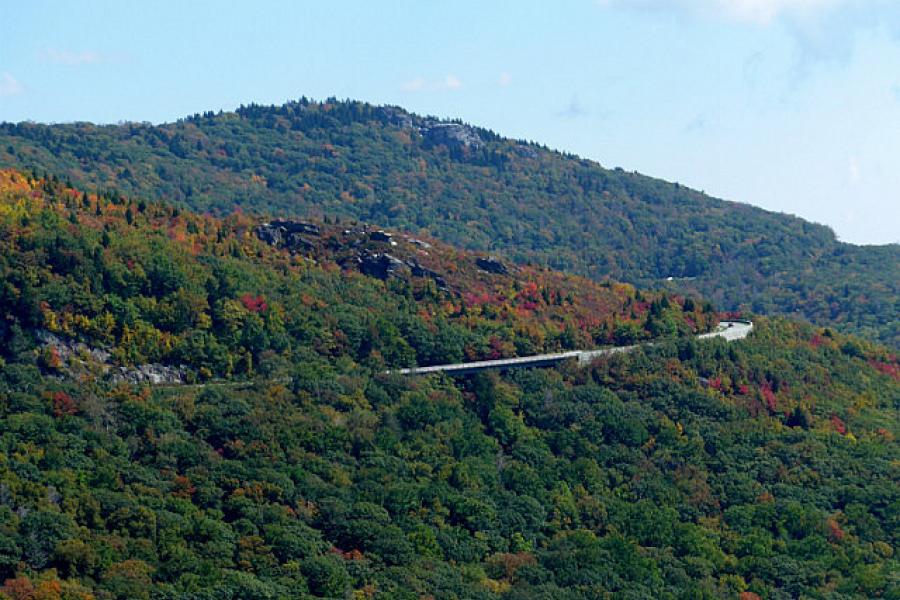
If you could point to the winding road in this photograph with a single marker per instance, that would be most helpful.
(728, 330)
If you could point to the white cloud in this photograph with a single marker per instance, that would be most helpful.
(504, 80)
(760, 12)
(10, 86)
(451, 82)
(821, 30)
(766, 11)
(70, 58)
(420, 84)
(414, 85)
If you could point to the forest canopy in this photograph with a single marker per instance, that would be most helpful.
(287, 464)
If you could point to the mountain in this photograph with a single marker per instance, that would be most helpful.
(474, 189)
(277, 459)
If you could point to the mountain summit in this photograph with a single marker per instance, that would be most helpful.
(472, 188)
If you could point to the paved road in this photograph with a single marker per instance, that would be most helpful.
(729, 330)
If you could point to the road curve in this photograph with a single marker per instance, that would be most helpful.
(728, 330)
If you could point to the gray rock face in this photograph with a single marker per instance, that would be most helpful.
(433, 130)
(526, 151)
(283, 233)
(70, 351)
(154, 374)
(381, 266)
(386, 265)
(451, 133)
(78, 359)
(398, 117)
(492, 265)
(420, 243)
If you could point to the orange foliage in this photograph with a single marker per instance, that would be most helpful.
(835, 533)
(510, 563)
(183, 487)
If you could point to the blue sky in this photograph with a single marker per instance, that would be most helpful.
(792, 105)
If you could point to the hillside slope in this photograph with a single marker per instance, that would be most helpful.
(474, 189)
(765, 467)
(153, 284)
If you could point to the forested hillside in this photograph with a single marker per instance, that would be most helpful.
(154, 284)
(290, 466)
(472, 188)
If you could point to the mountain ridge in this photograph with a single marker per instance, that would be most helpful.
(473, 188)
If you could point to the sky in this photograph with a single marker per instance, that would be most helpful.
(791, 105)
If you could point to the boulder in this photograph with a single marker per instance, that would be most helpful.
(492, 265)
(381, 266)
(380, 236)
(283, 233)
(418, 270)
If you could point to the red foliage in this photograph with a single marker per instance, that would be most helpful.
(748, 596)
(253, 303)
(743, 389)
(479, 299)
(716, 383)
(496, 348)
(769, 396)
(838, 424)
(63, 404)
(816, 341)
(891, 370)
(529, 292)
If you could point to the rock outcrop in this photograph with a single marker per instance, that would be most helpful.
(288, 234)
(398, 117)
(154, 374)
(381, 266)
(451, 133)
(380, 236)
(75, 359)
(384, 265)
(492, 265)
(71, 353)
